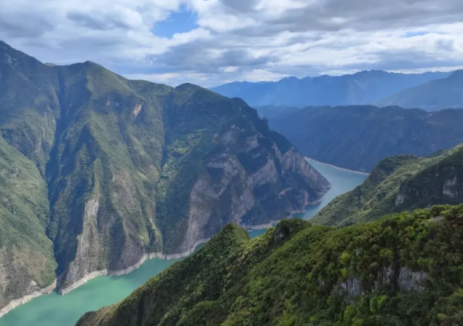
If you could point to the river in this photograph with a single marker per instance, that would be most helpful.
(57, 310)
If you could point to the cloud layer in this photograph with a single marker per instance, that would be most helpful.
(240, 39)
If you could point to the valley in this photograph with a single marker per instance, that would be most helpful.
(57, 310)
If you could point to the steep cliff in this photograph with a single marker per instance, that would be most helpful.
(405, 269)
(133, 169)
(400, 183)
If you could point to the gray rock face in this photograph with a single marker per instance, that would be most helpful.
(411, 281)
(450, 189)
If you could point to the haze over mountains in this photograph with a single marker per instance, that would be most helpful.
(359, 137)
(98, 172)
(366, 87)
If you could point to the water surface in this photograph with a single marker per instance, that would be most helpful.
(56, 310)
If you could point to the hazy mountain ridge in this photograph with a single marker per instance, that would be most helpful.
(432, 96)
(111, 154)
(359, 137)
(365, 87)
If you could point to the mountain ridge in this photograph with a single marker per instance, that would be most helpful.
(134, 169)
(359, 137)
(365, 87)
(432, 96)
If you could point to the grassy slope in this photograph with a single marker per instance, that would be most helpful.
(292, 276)
(419, 180)
(26, 254)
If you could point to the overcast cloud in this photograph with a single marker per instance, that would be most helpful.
(239, 39)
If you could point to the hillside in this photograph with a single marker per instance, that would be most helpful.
(359, 137)
(432, 96)
(399, 183)
(131, 169)
(365, 87)
(26, 254)
(405, 269)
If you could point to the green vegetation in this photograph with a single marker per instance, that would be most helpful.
(397, 184)
(405, 269)
(26, 254)
(359, 137)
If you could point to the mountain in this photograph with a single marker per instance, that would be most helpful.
(432, 96)
(364, 87)
(405, 269)
(359, 137)
(272, 112)
(27, 264)
(397, 184)
(123, 170)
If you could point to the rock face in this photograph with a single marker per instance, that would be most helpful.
(126, 170)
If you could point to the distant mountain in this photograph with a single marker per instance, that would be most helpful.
(403, 270)
(397, 184)
(365, 87)
(271, 112)
(359, 137)
(98, 173)
(432, 96)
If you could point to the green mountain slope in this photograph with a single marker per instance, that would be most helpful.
(26, 254)
(402, 270)
(134, 169)
(397, 184)
(432, 96)
(359, 137)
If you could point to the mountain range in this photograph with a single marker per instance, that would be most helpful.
(432, 96)
(99, 173)
(366, 87)
(359, 137)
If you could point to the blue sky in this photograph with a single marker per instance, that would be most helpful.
(211, 42)
(182, 21)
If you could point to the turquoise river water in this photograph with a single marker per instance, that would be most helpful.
(57, 310)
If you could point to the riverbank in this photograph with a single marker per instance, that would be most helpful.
(309, 159)
(16, 303)
(130, 269)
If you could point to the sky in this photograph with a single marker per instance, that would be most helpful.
(212, 42)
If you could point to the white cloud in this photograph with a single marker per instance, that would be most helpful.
(240, 39)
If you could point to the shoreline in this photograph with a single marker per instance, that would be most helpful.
(148, 256)
(130, 269)
(336, 167)
(271, 223)
(19, 302)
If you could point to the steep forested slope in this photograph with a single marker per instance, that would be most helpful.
(405, 269)
(26, 254)
(400, 183)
